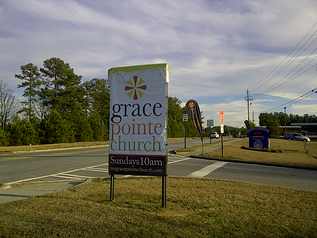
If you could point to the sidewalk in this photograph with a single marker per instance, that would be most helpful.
(8, 194)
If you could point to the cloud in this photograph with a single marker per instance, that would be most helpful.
(216, 50)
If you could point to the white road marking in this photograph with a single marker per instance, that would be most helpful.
(96, 170)
(179, 160)
(207, 170)
(66, 177)
(63, 174)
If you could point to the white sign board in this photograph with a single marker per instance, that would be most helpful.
(221, 129)
(138, 120)
(185, 117)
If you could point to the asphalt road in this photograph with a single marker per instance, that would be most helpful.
(79, 164)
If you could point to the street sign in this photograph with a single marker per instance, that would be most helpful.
(221, 116)
(185, 117)
(210, 123)
(221, 129)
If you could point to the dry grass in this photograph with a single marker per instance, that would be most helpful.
(197, 147)
(195, 208)
(293, 153)
(28, 148)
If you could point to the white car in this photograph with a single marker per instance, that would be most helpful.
(296, 136)
(301, 138)
(214, 135)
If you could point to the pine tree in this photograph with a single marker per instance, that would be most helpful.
(55, 129)
(80, 124)
(30, 75)
(61, 85)
(97, 98)
(96, 123)
(4, 137)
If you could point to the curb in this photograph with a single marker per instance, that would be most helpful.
(256, 163)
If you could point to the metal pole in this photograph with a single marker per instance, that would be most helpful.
(222, 144)
(111, 187)
(164, 191)
(285, 119)
(248, 105)
(102, 125)
(185, 136)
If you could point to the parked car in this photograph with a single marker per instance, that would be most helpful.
(296, 136)
(214, 135)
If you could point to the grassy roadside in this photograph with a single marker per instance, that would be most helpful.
(294, 153)
(28, 148)
(198, 147)
(195, 208)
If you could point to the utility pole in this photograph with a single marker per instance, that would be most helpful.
(285, 119)
(248, 99)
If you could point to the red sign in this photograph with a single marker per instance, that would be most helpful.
(221, 116)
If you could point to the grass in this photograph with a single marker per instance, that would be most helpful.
(294, 153)
(198, 147)
(28, 148)
(195, 208)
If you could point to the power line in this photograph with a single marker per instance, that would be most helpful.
(288, 62)
(279, 83)
(298, 85)
(300, 98)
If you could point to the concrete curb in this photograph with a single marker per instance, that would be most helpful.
(256, 163)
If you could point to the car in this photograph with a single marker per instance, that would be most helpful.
(296, 136)
(214, 135)
(301, 138)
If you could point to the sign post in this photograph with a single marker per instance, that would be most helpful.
(185, 119)
(210, 123)
(221, 118)
(138, 122)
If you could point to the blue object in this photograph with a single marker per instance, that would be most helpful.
(259, 138)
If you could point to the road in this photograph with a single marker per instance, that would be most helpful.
(79, 164)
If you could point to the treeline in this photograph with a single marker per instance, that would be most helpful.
(59, 108)
(274, 120)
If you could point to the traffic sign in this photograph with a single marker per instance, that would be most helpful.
(210, 123)
(185, 117)
(221, 116)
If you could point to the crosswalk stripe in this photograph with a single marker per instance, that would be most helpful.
(207, 170)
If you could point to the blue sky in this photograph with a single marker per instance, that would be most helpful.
(215, 50)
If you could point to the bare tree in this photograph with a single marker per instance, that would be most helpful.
(9, 105)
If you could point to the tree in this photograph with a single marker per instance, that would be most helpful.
(271, 121)
(30, 74)
(56, 130)
(175, 118)
(81, 127)
(22, 132)
(9, 105)
(97, 98)
(4, 137)
(61, 85)
(95, 124)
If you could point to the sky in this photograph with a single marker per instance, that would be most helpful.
(216, 50)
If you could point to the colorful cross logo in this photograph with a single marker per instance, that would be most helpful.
(135, 88)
